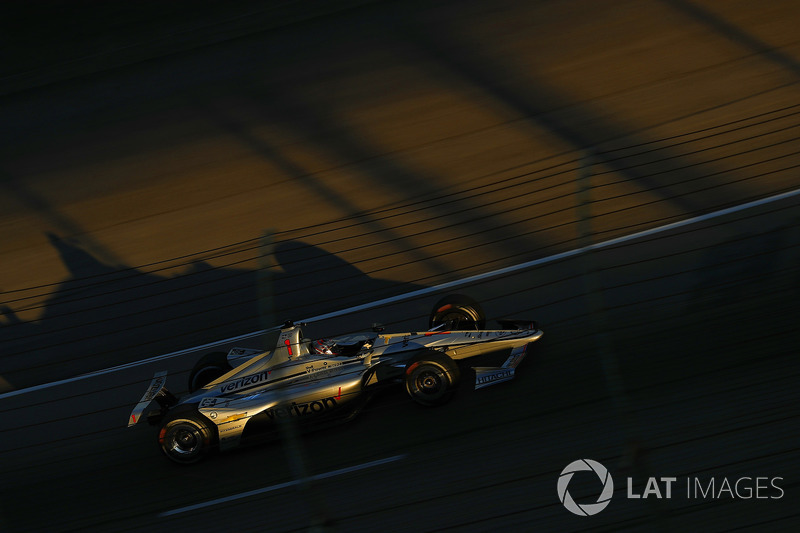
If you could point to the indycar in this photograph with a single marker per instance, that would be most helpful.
(237, 396)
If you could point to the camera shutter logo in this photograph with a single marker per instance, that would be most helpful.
(603, 500)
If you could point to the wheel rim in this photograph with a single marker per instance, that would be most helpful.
(429, 382)
(456, 317)
(456, 320)
(184, 442)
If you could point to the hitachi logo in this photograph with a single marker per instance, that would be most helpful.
(488, 378)
(301, 409)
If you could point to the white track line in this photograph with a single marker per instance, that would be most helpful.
(280, 486)
(436, 288)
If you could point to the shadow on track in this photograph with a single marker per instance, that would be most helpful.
(103, 316)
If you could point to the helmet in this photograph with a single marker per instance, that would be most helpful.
(325, 347)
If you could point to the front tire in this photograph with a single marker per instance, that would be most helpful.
(208, 368)
(431, 378)
(457, 312)
(186, 437)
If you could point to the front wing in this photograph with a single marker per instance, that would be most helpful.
(489, 375)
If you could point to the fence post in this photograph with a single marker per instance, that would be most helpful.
(266, 294)
(598, 328)
(593, 292)
(287, 426)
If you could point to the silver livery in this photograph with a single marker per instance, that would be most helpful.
(246, 392)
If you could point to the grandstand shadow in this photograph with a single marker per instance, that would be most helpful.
(687, 184)
(56, 217)
(321, 191)
(103, 316)
(487, 228)
(736, 34)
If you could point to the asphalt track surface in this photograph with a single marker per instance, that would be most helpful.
(712, 398)
(674, 355)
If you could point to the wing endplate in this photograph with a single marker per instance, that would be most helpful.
(491, 375)
(157, 385)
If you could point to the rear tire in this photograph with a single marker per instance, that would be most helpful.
(186, 437)
(208, 368)
(457, 312)
(431, 378)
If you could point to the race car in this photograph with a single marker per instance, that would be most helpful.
(241, 395)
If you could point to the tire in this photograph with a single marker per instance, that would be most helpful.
(208, 368)
(431, 378)
(186, 437)
(457, 312)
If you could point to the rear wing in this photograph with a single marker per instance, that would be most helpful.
(157, 390)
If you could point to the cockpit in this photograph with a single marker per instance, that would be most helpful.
(346, 345)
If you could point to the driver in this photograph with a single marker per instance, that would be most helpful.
(325, 347)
